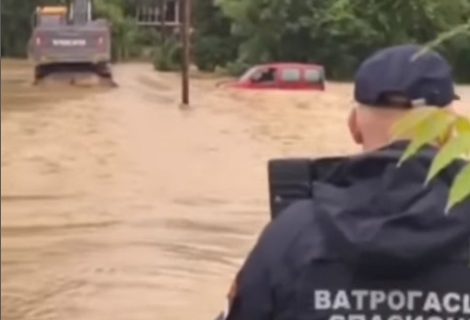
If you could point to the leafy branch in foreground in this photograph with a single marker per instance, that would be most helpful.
(459, 30)
(451, 133)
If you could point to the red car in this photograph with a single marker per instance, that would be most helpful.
(284, 76)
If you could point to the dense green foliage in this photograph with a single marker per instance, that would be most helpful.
(17, 20)
(237, 33)
(213, 43)
(167, 55)
(341, 33)
(125, 33)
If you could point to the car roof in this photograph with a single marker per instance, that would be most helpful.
(290, 65)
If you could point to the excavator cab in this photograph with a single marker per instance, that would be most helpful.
(53, 15)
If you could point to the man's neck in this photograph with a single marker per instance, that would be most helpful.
(370, 145)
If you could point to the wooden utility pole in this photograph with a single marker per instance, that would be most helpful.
(162, 13)
(186, 6)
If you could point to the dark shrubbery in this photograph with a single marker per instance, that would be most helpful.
(167, 55)
(337, 34)
(212, 51)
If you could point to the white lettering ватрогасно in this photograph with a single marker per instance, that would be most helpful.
(428, 303)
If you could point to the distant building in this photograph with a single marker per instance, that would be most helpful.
(149, 14)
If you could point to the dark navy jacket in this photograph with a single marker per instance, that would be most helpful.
(370, 225)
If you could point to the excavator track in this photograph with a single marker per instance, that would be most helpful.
(74, 74)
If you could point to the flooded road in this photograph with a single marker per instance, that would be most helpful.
(116, 204)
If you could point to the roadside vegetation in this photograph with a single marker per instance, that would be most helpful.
(233, 34)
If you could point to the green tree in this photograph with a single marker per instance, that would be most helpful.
(125, 32)
(336, 33)
(214, 44)
(16, 26)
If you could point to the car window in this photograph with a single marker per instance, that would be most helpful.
(250, 74)
(291, 75)
(314, 76)
(263, 76)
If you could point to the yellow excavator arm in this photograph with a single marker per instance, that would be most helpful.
(52, 11)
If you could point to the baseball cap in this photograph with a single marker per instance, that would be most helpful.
(405, 76)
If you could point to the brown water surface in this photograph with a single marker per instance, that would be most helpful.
(116, 204)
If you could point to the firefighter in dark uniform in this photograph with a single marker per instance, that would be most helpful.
(373, 242)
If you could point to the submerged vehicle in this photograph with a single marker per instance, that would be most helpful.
(283, 76)
(66, 42)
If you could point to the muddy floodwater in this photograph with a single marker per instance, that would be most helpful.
(116, 204)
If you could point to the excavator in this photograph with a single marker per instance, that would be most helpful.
(67, 43)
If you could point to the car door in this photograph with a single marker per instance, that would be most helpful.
(290, 78)
(314, 78)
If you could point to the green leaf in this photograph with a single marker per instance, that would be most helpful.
(453, 150)
(409, 124)
(428, 131)
(460, 190)
(462, 125)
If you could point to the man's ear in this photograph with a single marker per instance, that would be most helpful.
(354, 129)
